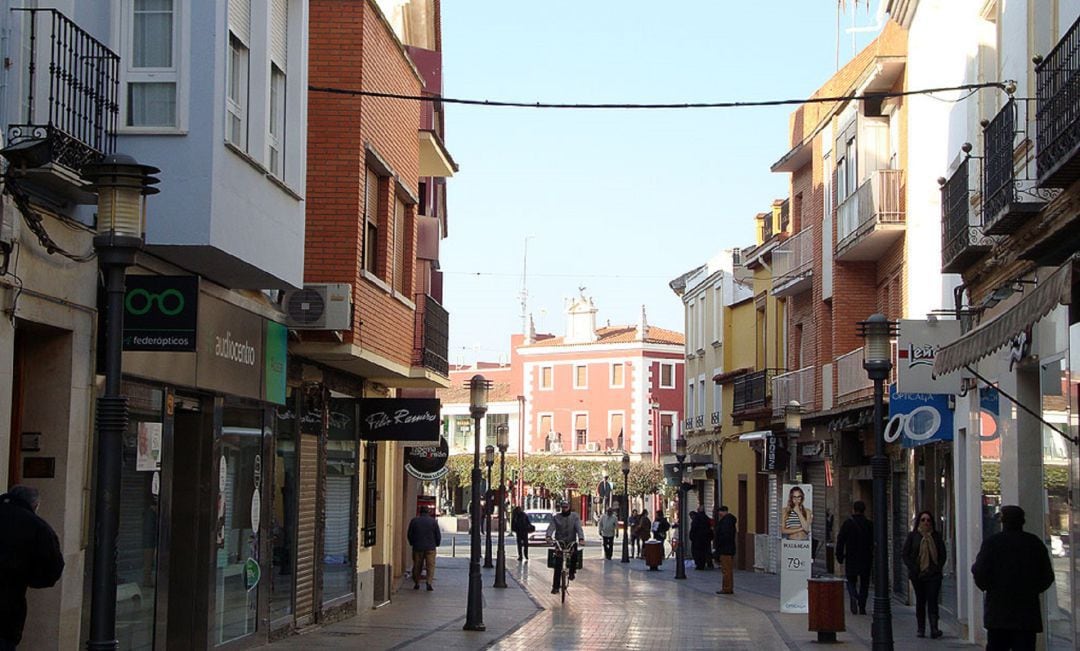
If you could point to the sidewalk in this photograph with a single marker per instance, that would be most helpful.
(762, 592)
(427, 620)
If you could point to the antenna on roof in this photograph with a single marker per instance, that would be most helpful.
(524, 287)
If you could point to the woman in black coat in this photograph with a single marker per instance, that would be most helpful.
(700, 540)
(924, 556)
(519, 524)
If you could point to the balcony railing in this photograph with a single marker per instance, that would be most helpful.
(793, 262)
(962, 242)
(851, 378)
(70, 99)
(699, 421)
(785, 215)
(1008, 202)
(766, 227)
(688, 424)
(1058, 112)
(752, 391)
(798, 385)
(432, 340)
(714, 419)
(877, 202)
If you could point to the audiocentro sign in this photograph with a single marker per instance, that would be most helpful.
(161, 313)
(919, 418)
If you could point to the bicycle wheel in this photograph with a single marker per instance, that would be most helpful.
(565, 579)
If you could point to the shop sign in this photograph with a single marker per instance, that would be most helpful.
(428, 462)
(161, 313)
(400, 419)
(774, 457)
(918, 418)
(230, 349)
(277, 341)
(916, 349)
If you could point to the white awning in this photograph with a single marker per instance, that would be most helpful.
(759, 435)
(1054, 290)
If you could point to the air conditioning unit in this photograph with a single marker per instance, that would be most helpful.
(592, 446)
(319, 307)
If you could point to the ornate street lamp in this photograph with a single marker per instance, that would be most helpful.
(680, 554)
(502, 439)
(626, 506)
(793, 426)
(489, 459)
(474, 614)
(878, 332)
(121, 184)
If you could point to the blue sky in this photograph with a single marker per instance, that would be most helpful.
(619, 202)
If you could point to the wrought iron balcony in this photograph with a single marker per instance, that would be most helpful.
(870, 219)
(70, 102)
(714, 419)
(752, 391)
(432, 335)
(699, 421)
(796, 385)
(793, 264)
(1008, 201)
(688, 424)
(1058, 112)
(785, 215)
(962, 241)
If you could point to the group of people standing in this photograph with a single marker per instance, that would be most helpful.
(710, 541)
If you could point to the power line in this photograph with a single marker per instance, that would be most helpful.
(547, 275)
(680, 105)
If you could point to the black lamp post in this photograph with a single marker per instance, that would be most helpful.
(502, 439)
(793, 426)
(474, 614)
(121, 183)
(626, 507)
(877, 360)
(680, 554)
(489, 459)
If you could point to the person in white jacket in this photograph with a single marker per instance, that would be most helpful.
(609, 526)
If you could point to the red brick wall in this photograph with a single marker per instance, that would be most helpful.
(352, 47)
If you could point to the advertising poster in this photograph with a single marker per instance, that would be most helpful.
(148, 453)
(796, 523)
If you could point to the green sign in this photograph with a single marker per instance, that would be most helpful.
(277, 341)
(161, 313)
(252, 573)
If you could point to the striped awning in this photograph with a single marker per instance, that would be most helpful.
(1054, 290)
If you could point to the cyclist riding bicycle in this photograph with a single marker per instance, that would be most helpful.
(565, 528)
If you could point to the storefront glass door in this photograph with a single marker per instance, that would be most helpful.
(238, 511)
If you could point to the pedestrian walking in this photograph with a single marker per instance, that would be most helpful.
(855, 549)
(425, 537)
(924, 556)
(631, 527)
(30, 557)
(520, 525)
(643, 533)
(1013, 568)
(660, 527)
(725, 548)
(608, 526)
(701, 536)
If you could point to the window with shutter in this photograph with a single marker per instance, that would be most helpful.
(616, 375)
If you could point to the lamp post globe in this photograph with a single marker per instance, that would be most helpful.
(626, 507)
(877, 332)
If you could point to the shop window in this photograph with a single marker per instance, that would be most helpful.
(371, 488)
(339, 562)
(284, 511)
(238, 470)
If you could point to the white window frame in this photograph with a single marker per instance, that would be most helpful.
(237, 107)
(614, 436)
(701, 401)
(718, 401)
(574, 429)
(123, 24)
(690, 321)
(275, 129)
(691, 403)
(718, 315)
(578, 385)
(660, 379)
(703, 307)
(611, 375)
(540, 378)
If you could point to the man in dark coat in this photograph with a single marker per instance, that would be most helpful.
(855, 549)
(30, 557)
(700, 538)
(724, 541)
(424, 536)
(1013, 568)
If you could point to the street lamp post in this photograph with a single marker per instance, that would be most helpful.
(121, 183)
(474, 614)
(680, 554)
(489, 459)
(503, 441)
(877, 360)
(793, 425)
(626, 507)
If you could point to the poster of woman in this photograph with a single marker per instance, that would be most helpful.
(797, 515)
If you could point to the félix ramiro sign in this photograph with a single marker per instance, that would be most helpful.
(400, 419)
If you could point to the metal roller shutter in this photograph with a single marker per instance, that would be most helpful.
(279, 30)
(815, 476)
(240, 20)
(306, 525)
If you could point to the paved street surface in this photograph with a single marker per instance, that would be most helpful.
(609, 606)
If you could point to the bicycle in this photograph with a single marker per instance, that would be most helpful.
(564, 557)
